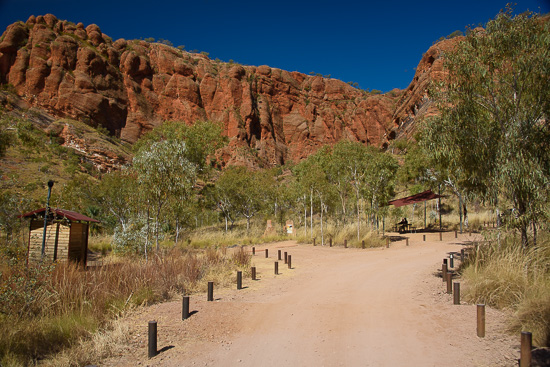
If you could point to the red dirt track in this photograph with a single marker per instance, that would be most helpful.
(335, 307)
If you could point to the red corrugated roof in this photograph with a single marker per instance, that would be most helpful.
(70, 215)
(423, 196)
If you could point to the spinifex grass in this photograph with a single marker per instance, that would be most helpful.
(510, 277)
(46, 309)
(340, 232)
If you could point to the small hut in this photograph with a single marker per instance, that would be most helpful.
(66, 235)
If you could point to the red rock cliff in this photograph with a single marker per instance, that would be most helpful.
(270, 115)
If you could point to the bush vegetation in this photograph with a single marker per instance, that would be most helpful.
(504, 275)
(51, 307)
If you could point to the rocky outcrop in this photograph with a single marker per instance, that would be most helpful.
(415, 103)
(271, 116)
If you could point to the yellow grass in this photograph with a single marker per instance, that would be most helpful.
(507, 276)
(50, 309)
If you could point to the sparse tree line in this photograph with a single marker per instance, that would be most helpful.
(489, 144)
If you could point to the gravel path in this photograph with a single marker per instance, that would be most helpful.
(335, 307)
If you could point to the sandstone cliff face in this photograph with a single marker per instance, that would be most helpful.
(415, 103)
(271, 116)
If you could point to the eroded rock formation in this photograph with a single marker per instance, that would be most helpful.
(271, 116)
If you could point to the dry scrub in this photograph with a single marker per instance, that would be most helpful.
(50, 308)
(504, 275)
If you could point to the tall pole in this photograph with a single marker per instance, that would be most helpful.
(50, 185)
(440, 227)
(424, 214)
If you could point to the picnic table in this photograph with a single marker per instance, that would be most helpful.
(404, 227)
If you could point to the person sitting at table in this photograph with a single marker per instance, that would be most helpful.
(403, 225)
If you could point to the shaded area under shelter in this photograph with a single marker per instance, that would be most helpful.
(418, 198)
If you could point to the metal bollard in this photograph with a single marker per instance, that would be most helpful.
(152, 342)
(239, 280)
(481, 321)
(276, 268)
(266, 253)
(210, 297)
(253, 269)
(451, 261)
(526, 346)
(185, 308)
(286, 257)
(456, 293)
(278, 254)
(449, 283)
(289, 262)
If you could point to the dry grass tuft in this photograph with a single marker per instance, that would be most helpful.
(50, 309)
(507, 276)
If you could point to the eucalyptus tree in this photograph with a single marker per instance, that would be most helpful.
(380, 180)
(244, 190)
(493, 130)
(164, 172)
(352, 158)
(311, 173)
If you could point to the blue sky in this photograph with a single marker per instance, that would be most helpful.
(376, 44)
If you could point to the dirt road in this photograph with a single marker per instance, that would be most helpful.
(336, 307)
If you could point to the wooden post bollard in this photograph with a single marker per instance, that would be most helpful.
(424, 237)
(210, 297)
(185, 308)
(345, 243)
(444, 271)
(313, 241)
(481, 321)
(407, 241)
(152, 342)
(289, 262)
(276, 268)
(387, 242)
(470, 233)
(456, 233)
(456, 293)
(526, 346)
(451, 261)
(462, 255)
(278, 254)
(253, 270)
(286, 257)
(330, 242)
(239, 280)
(253, 250)
(441, 236)
(449, 283)
(363, 244)
(266, 253)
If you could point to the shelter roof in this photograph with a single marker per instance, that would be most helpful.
(70, 215)
(423, 196)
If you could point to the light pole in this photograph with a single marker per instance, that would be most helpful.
(50, 185)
